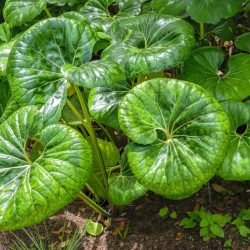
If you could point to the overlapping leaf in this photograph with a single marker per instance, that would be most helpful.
(242, 42)
(18, 12)
(180, 134)
(4, 95)
(105, 11)
(211, 11)
(157, 42)
(32, 191)
(104, 102)
(203, 68)
(43, 58)
(236, 165)
(123, 187)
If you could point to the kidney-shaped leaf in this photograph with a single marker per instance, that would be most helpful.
(181, 135)
(36, 67)
(211, 11)
(236, 165)
(104, 102)
(242, 42)
(158, 42)
(32, 191)
(171, 7)
(105, 11)
(203, 68)
(123, 187)
(18, 12)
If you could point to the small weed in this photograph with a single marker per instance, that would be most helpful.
(228, 243)
(239, 222)
(124, 236)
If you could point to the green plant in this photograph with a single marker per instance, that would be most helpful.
(239, 222)
(210, 224)
(163, 212)
(228, 243)
(70, 83)
(124, 236)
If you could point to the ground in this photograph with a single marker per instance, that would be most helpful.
(147, 230)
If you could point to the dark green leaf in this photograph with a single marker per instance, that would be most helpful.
(32, 191)
(4, 95)
(204, 231)
(163, 212)
(150, 43)
(180, 133)
(104, 102)
(242, 42)
(18, 12)
(173, 215)
(171, 7)
(211, 11)
(236, 165)
(123, 187)
(203, 68)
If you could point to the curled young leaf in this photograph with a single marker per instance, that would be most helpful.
(180, 134)
(32, 191)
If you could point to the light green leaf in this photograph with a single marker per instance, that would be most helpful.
(93, 228)
(163, 212)
(216, 230)
(180, 135)
(204, 223)
(203, 68)
(244, 231)
(63, 2)
(220, 219)
(173, 215)
(242, 42)
(32, 191)
(187, 223)
(5, 33)
(104, 102)
(105, 11)
(150, 43)
(74, 15)
(123, 187)
(18, 12)
(211, 11)
(204, 231)
(236, 165)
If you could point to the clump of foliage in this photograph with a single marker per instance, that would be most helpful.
(102, 65)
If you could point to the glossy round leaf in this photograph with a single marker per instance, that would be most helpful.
(203, 68)
(63, 2)
(43, 59)
(105, 11)
(4, 95)
(123, 187)
(32, 191)
(243, 42)
(18, 12)
(181, 136)
(236, 165)
(157, 42)
(171, 7)
(104, 102)
(211, 11)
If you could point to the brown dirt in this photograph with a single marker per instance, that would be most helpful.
(147, 230)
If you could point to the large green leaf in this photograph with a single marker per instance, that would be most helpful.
(63, 2)
(242, 42)
(123, 187)
(18, 12)
(4, 55)
(104, 102)
(171, 7)
(105, 11)
(158, 42)
(5, 33)
(32, 191)
(181, 135)
(236, 165)
(4, 95)
(43, 58)
(211, 11)
(203, 68)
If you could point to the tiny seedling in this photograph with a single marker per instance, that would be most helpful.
(239, 222)
(173, 215)
(93, 228)
(228, 243)
(123, 237)
(163, 212)
(210, 224)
